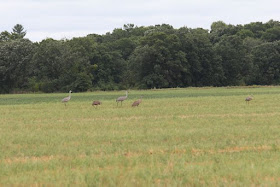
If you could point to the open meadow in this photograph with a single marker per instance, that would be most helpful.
(176, 137)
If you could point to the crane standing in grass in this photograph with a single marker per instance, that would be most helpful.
(66, 99)
(122, 98)
(137, 103)
(248, 99)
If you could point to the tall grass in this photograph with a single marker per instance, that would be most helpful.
(194, 136)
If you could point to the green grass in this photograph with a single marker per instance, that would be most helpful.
(176, 137)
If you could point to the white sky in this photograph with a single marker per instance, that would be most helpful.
(60, 19)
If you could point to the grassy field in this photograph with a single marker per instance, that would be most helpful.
(176, 137)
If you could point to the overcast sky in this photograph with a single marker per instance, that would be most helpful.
(60, 19)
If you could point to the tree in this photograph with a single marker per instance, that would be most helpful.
(64, 65)
(244, 33)
(159, 62)
(128, 27)
(143, 57)
(15, 57)
(205, 67)
(271, 34)
(109, 68)
(124, 45)
(267, 59)
(5, 36)
(233, 57)
(82, 82)
(18, 32)
(146, 69)
(250, 68)
(218, 26)
(219, 29)
(256, 27)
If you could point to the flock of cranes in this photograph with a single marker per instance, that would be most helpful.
(96, 103)
(122, 98)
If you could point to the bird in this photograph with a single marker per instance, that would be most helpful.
(66, 99)
(122, 98)
(249, 98)
(96, 103)
(137, 103)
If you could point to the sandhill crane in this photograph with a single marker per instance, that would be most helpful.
(137, 103)
(66, 99)
(96, 103)
(121, 99)
(249, 98)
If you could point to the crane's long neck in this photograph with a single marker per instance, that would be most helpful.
(69, 94)
(126, 94)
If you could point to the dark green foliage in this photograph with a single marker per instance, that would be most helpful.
(82, 82)
(204, 64)
(157, 56)
(61, 66)
(15, 66)
(267, 60)
(159, 61)
(108, 67)
(271, 34)
(5, 36)
(18, 33)
(244, 33)
(233, 56)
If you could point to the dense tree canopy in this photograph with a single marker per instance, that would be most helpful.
(157, 56)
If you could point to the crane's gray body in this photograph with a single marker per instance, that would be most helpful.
(249, 98)
(66, 99)
(122, 98)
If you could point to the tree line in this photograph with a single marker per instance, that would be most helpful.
(143, 57)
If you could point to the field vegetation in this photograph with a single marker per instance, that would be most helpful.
(142, 57)
(176, 137)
